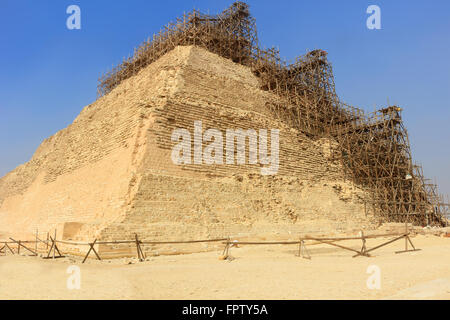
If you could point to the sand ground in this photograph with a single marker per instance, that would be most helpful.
(262, 272)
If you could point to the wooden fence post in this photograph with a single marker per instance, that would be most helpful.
(36, 243)
(91, 249)
(54, 241)
(51, 248)
(303, 252)
(363, 248)
(20, 244)
(226, 249)
(140, 253)
(9, 248)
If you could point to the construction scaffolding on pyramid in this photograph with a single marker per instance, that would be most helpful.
(373, 148)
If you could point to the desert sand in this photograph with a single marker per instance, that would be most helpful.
(262, 272)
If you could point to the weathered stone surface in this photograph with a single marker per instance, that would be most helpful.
(110, 173)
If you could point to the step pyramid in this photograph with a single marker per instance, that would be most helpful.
(111, 173)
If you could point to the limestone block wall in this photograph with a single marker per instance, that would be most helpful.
(194, 201)
(85, 173)
(111, 175)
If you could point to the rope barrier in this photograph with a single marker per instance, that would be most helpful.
(227, 241)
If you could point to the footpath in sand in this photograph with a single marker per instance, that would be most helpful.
(262, 272)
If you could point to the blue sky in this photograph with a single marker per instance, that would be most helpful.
(49, 73)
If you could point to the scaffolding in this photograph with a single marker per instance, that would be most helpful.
(373, 148)
(231, 34)
(376, 154)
